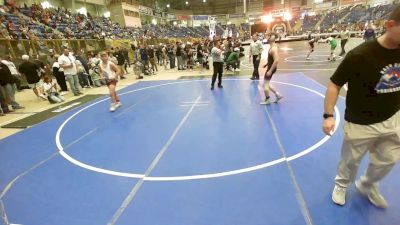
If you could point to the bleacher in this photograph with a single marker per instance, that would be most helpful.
(309, 22)
(45, 23)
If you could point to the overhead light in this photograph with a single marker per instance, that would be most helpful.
(107, 14)
(229, 22)
(154, 21)
(204, 1)
(187, 3)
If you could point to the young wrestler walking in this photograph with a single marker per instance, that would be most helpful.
(110, 72)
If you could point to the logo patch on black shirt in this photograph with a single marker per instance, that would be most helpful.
(390, 80)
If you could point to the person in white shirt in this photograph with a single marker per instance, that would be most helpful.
(50, 88)
(217, 53)
(59, 74)
(10, 88)
(256, 49)
(67, 63)
(344, 37)
(95, 59)
(110, 72)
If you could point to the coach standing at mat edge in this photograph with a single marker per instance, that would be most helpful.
(256, 49)
(217, 53)
(372, 71)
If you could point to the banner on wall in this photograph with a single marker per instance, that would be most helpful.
(212, 23)
(145, 10)
(296, 9)
(236, 15)
(350, 2)
(323, 5)
(279, 28)
(220, 18)
(200, 17)
(183, 17)
(171, 16)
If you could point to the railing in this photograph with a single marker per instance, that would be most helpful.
(17, 48)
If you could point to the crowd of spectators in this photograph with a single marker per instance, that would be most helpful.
(61, 23)
(68, 73)
(34, 22)
(355, 18)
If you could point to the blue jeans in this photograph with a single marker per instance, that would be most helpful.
(55, 97)
(10, 90)
(73, 81)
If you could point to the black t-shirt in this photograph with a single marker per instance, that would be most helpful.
(120, 58)
(178, 51)
(30, 70)
(373, 76)
(170, 51)
(159, 51)
(144, 54)
(151, 53)
(199, 51)
(39, 62)
(5, 75)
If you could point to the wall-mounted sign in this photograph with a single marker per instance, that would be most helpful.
(183, 17)
(236, 15)
(171, 16)
(200, 17)
(145, 10)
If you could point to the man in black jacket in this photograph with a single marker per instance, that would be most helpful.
(31, 71)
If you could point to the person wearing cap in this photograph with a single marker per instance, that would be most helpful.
(233, 59)
(66, 61)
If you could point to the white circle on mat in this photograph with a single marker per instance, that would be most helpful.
(191, 177)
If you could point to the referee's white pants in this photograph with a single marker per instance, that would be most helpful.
(381, 140)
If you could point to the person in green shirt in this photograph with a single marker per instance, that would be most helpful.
(333, 43)
(233, 59)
